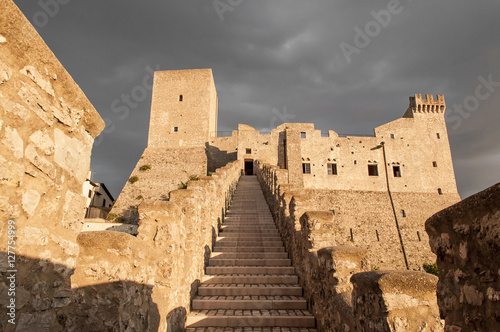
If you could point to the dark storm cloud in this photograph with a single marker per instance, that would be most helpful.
(284, 57)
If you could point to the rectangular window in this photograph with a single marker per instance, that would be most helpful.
(306, 168)
(249, 151)
(392, 135)
(434, 164)
(397, 171)
(90, 193)
(303, 135)
(372, 170)
(440, 191)
(438, 136)
(103, 202)
(332, 169)
(176, 129)
(180, 97)
(403, 213)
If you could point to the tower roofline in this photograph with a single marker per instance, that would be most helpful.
(425, 105)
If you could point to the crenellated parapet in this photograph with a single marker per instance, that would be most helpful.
(427, 104)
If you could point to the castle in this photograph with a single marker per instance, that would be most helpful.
(380, 188)
(341, 206)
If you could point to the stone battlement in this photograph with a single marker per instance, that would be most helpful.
(427, 104)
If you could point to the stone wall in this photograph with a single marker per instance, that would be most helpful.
(221, 151)
(325, 259)
(158, 171)
(388, 301)
(364, 219)
(47, 128)
(466, 239)
(159, 270)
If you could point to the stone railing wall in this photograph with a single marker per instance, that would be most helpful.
(389, 301)
(159, 270)
(466, 239)
(331, 272)
(47, 128)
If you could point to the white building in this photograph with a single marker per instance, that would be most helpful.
(99, 199)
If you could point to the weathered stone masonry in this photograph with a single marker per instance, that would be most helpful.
(340, 296)
(47, 128)
(162, 266)
(466, 239)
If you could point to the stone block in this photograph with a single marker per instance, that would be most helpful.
(395, 301)
(466, 239)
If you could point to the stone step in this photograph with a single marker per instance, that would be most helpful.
(250, 224)
(250, 227)
(248, 249)
(250, 270)
(236, 243)
(247, 255)
(249, 302)
(249, 289)
(254, 232)
(250, 329)
(249, 241)
(249, 262)
(251, 279)
(230, 216)
(240, 318)
(235, 235)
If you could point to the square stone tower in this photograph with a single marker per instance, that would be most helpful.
(183, 109)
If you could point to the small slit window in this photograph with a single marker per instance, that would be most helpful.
(332, 169)
(303, 134)
(434, 164)
(372, 170)
(396, 170)
(440, 191)
(306, 168)
(181, 97)
(103, 202)
(90, 193)
(176, 129)
(438, 136)
(403, 213)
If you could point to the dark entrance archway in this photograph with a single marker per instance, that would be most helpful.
(248, 167)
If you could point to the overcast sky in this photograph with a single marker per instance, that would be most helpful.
(347, 66)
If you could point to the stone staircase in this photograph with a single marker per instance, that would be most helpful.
(250, 284)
